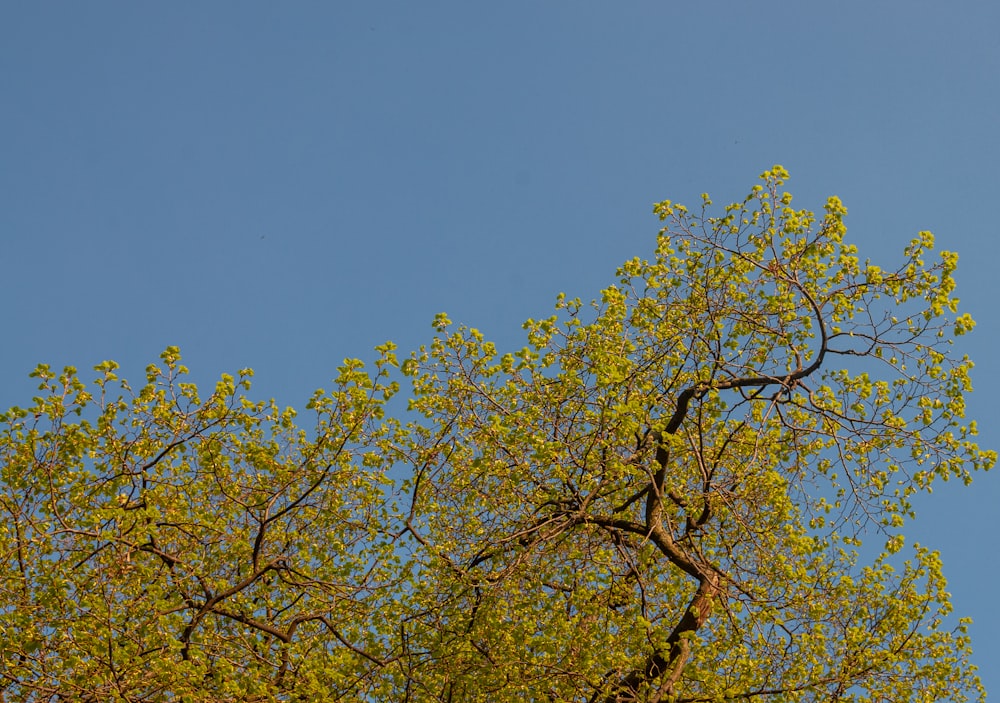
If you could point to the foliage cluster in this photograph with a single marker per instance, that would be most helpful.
(662, 497)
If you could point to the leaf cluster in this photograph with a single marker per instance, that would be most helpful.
(662, 497)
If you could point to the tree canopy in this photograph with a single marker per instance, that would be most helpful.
(693, 488)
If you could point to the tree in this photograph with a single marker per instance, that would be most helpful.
(663, 497)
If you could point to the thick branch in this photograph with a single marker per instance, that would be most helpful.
(669, 661)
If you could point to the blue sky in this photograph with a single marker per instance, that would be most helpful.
(282, 185)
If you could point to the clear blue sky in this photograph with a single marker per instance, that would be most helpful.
(281, 185)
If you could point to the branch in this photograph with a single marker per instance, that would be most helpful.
(670, 662)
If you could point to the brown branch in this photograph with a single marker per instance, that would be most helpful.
(670, 660)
